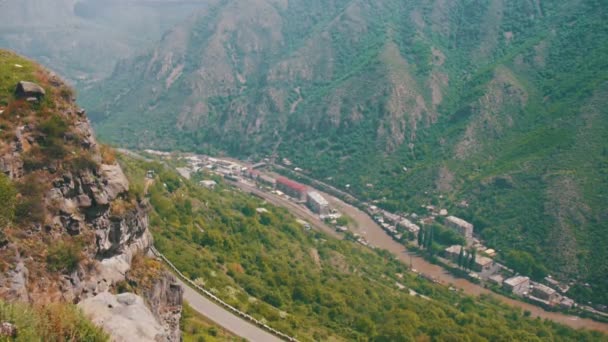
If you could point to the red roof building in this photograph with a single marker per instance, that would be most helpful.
(292, 188)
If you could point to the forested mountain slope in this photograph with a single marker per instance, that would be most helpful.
(501, 104)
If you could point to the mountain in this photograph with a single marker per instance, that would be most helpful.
(494, 110)
(83, 39)
(71, 230)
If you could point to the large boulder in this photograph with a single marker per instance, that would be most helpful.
(125, 317)
(29, 89)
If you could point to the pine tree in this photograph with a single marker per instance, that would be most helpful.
(472, 260)
(461, 257)
(429, 241)
(421, 237)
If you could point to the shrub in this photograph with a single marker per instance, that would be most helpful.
(64, 257)
(7, 199)
(30, 207)
(83, 162)
(108, 155)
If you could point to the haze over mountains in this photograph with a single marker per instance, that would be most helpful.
(82, 39)
(500, 105)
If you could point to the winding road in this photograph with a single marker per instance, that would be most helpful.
(225, 318)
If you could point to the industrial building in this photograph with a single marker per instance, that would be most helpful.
(292, 189)
(461, 226)
(518, 285)
(317, 203)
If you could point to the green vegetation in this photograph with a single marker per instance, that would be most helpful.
(326, 289)
(64, 256)
(7, 198)
(197, 328)
(52, 323)
(519, 129)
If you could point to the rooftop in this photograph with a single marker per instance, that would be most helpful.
(291, 184)
(544, 288)
(481, 260)
(315, 196)
(460, 222)
(517, 280)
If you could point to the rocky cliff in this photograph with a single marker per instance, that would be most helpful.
(74, 227)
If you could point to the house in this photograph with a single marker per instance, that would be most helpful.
(317, 203)
(518, 285)
(544, 292)
(292, 189)
(461, 226)
(209, 184)
(483, 264)
(453, 252)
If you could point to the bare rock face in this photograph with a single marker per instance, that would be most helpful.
(125, 317)
(165, 297)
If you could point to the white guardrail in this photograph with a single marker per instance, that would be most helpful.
(221, 302)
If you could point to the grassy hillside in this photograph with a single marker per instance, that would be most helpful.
(498, 103)
(308, 284)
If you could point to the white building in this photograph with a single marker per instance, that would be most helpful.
(463, 227)
(317, 203)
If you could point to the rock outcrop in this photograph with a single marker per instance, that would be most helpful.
(71, 196)
(125, 316)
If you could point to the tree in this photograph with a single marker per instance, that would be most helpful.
(461, 257)
(421, 238)
(429, 240)
(472, 259)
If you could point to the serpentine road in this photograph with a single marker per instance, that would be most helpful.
(225, 318)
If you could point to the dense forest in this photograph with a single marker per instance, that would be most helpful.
(500, 105)
(326, 289)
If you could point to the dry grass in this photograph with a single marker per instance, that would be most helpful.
(108, 155)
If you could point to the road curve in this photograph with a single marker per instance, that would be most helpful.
(225, 318)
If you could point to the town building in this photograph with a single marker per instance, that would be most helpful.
(390, 217)
(544, 292)
(566, 303)
(481, 264)
(461, 226)
(409, 226)
(518, 285)
(317, 203)
(496, 279)
(267, 181)
(292, 189)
